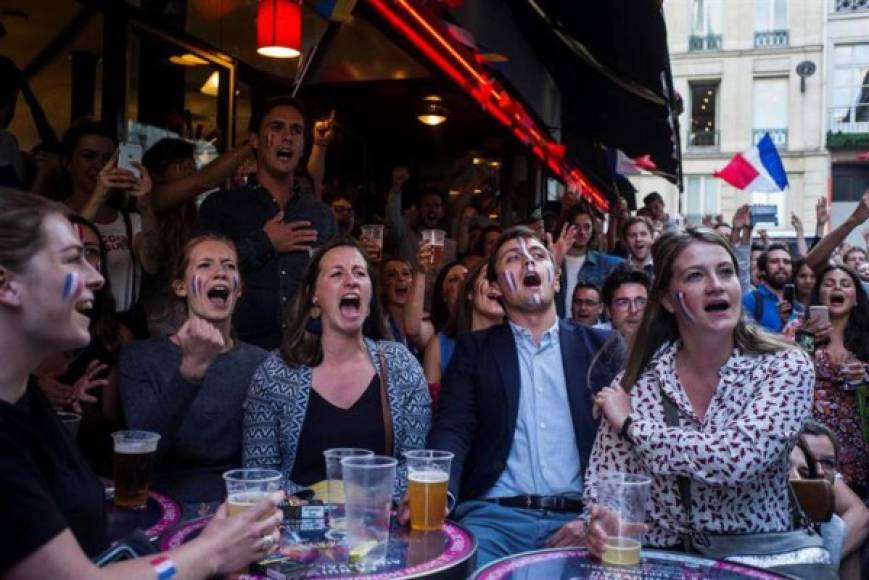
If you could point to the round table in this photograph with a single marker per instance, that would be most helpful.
(573, 563)
(160, 513)
(447, 553)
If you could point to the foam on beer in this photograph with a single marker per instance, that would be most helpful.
(429, 476)
(128, 447)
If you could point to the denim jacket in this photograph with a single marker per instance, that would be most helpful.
(595, 269)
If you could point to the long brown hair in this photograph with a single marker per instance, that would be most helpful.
(301, 345)
(659, 326)
(21, 217)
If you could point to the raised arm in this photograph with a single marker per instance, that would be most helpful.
(416, 328)
(802, 248)
(822, 251)
(394, 217)
(324, 131)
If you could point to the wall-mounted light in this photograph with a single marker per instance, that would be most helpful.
(279, 28)
(433, 112)
(211, 85)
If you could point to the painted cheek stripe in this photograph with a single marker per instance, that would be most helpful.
(680, 300)
(72, 286)
(196, 286)
(511, 282)
(235, 282)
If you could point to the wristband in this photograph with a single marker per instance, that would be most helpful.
(163, 567)
(624, 431)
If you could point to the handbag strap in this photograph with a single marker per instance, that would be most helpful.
(384, 402)
(671, 419)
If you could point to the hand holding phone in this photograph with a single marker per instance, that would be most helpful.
(129, 154)
(820, 315)
(788, 293)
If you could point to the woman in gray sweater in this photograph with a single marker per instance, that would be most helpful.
(190, 386)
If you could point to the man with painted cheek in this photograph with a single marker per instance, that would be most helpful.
(536, 373)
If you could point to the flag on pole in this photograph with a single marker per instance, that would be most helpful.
(620, 164)
(759, 169)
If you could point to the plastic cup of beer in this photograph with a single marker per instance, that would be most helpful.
(134, 458)
(368, 485)
(624, 497)
(428, 476)
(71, 422)
(436, 239)
(374, 233)
(247, 486)
(334, 475)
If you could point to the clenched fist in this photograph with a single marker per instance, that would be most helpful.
(201, 342)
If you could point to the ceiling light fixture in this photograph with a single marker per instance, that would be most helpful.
(433, 112)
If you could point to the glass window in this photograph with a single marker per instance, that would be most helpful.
(704, 105)
(777, 199)
(851, 85)
(705, 17)
(770, 103)
(702, 192)
(770, 15)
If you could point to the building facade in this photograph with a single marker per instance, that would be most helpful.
(735, 64)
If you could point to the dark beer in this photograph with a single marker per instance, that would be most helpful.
(132, 478)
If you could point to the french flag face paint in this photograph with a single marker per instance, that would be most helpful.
(196, 285)
(523, 245)
(72, 287)
(683, 306)
(270, 140)
(510, 279)
(235, 282)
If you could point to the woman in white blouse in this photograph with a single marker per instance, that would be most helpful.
(741, 397)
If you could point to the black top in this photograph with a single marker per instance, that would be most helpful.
(327, 426)
(45, 484)
(270, 279)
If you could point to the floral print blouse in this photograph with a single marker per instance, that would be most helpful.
(736, 457)
(837, 408)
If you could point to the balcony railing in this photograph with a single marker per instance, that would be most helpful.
(851, 5)
(771, 39)
(704, 42)
(779, 136)
(703, 141)
(849, 119)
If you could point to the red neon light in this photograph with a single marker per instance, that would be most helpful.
(481, 88)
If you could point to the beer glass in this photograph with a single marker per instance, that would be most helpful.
(428, 476)
(623, 498)
(374, 233)
(436, 239)
(134, 458)
(245, 487)
(368, 485)
(334, 475)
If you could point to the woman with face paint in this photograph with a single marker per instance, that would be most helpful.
(46, 286)
(476, 308)
(190, 386)
(841, 364)
(85, 380)
(330, 385)
(705, 399)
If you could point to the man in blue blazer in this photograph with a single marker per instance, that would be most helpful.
(516, 409)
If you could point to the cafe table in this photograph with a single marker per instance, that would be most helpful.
(160, 513)
(574, 563)
(310, 550)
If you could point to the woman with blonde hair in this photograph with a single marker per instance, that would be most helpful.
(709, 408)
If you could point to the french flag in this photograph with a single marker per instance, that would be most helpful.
(758, 169)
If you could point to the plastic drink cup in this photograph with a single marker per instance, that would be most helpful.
(436, 239)
(428, 476)
(71, 422)
(368, 486)
(374, 233)
(246, 487)
(334, 475)
(624, 498)
(133, 461)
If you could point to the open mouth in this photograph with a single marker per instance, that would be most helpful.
(717, 306)
(531, 280)
(837, 299)
(284, 153)
(350, 305)
(402, 291)
(84, 306)
(218, 295)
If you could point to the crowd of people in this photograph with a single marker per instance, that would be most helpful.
(261, 326)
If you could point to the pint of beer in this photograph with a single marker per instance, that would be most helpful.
(436, 239)
(374, 233)
(246, 487)
(623, 499)
(134, 458)
(428, 476)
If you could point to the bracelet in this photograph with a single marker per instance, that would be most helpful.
(623, 432)
(163, 567)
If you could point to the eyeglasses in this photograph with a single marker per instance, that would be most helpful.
(625, 303)
(588, 303)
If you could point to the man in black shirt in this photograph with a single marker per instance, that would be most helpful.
(274, 225)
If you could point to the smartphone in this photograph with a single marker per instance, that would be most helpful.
(127, 154)
(819, 314)
(788, 294)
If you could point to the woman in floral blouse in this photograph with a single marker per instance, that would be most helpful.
(741, 395)
(841, 364)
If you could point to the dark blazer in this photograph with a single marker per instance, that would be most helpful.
(479, 401)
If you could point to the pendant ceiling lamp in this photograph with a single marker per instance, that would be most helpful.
(433, 112)
(279, 28)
